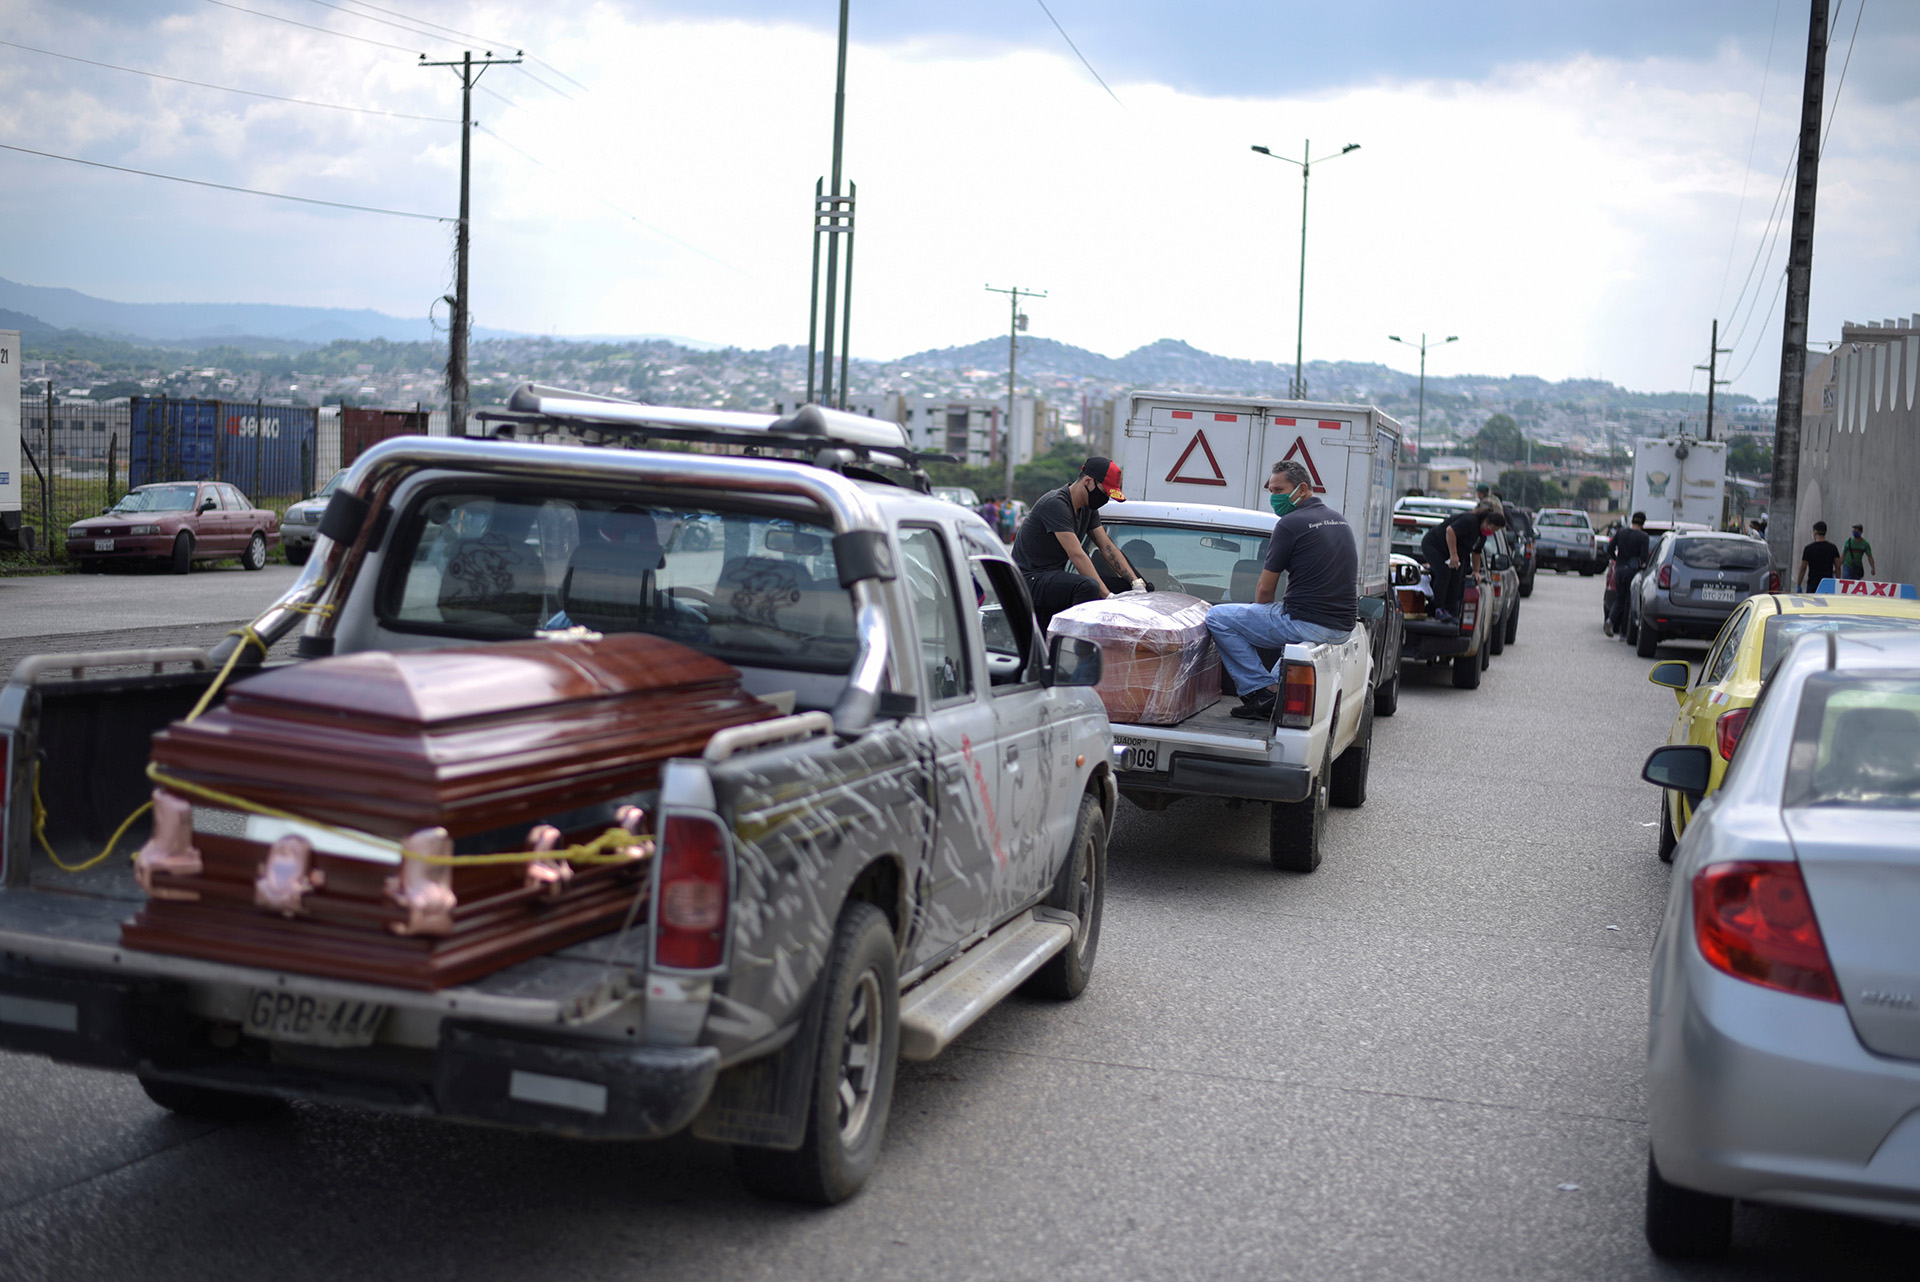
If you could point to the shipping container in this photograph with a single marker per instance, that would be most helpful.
(362, 429)
(266, 450)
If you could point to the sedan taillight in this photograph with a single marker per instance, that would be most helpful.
(691, 933)
(1665, 577)
(1727, 731)
(1755, 922)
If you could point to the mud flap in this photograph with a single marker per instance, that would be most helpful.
(764, 1102)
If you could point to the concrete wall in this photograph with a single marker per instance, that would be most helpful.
(1860, 445)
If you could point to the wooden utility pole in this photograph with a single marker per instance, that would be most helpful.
(470, 73)
(1712, 367)
(1784, 497)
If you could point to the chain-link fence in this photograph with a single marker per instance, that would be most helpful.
(79, 457)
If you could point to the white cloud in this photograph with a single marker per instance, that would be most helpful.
(1564, 219)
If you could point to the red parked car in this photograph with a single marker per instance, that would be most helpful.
(176, 523)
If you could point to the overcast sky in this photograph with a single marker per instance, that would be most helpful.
(1566, 186)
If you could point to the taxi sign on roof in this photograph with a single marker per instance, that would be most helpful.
(1869, 587)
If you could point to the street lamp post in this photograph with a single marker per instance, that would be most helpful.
(1420, 422)
(1298, 391)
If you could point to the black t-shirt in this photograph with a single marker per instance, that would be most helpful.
(1466, 533)
(1821, 556)
(1314, 547)
(1035, 549)
(1632, 546)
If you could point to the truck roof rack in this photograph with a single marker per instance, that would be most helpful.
(827, 438)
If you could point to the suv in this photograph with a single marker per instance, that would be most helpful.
(1692, 583)
(1565, 541)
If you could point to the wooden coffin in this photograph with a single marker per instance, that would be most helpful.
(506, 747)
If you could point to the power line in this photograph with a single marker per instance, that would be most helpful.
(1778, 290)
(327, 31)
(1859, 12)
(249, 191)
(1076, 51)
(329, 4)
(251, 93)
(1752, 142)
(467, 35)
(667, 235)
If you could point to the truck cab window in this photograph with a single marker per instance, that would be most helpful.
(928, 574)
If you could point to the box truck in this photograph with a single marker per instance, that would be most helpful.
(1679, 480)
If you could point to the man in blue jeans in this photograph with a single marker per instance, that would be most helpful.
(1313, 546)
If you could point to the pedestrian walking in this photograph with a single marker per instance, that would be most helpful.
(1457, 539)
(1631, 548)
(990, 513)
(1817, 559)
(1313, 546)
(1049, 546)
(1853, 552)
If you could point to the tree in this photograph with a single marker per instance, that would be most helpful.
(1529, 489)
(1593, 490)
(1499, 440)
(1747, 457)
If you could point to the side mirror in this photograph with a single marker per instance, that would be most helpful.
(1683, 767)
(1675, 674)
(208, 506)
(1075, 661)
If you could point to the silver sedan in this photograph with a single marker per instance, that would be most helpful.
(1784, 1048)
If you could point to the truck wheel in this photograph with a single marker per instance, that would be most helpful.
(1683, 1224)
(1081, 889)
(1486, 651)
(1633, 627)
(1294, 827)
(209, 1103)
(1466, 672)
(1526, 584)
(1647, 641)
(1496, 636)
(255, 557)
(182, 552)
(1349, 786)
(1513, 624)
(299, 555)
(1386, 698)
(852, 1072)
(1668, 839)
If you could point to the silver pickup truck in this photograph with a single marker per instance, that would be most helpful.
(922, 833)
(1315, 749)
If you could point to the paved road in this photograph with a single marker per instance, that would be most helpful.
(53, 605)
(1421, 1061)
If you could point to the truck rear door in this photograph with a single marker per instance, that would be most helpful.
(1192, 454)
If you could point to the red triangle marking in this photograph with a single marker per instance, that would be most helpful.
(1218, 477)
(1300, 448)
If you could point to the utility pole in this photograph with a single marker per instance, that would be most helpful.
(1712, 367)
(1793, 332)
(1298, 391)
(832, 219)
(1015, 323)
(470, 73)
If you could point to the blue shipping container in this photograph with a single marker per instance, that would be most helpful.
(266, 450)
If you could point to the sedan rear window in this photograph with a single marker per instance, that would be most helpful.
(1575, 519)
(1856, 743)
(1721, 554)
(746, 587)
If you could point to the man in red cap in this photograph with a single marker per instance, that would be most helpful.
(1053, 537)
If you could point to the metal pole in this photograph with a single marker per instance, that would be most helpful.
(813, 298)
(1013, 347)
(1713, 356)
(833, 193)
(1784, 496)
(1420, 422)
(457, 354)
(46, 477)
(846, 296)
(1300, 321)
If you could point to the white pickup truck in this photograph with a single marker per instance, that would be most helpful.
(1314, 750)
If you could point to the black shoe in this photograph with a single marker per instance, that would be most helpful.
(1257, 706)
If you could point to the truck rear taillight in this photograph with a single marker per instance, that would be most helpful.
(690, 931)
(1727, 730)
(1296, 696)
(1469, 608)
(1665, 577)
(1755, 922)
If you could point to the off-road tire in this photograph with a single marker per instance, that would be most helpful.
(1633, 628)
(834, 1158)
(1466, 671)
(1683, 1224)
(1513, 625)
(1646, 641)
(182, 553)
(1668, 838)
(1496, 637)
(1486, 652)
(1526, 584)
(1080, 889)
(255, 557)
(210, 1104)
(1386, 698)
(1295, 828)
(1348, 788)
(298, 555)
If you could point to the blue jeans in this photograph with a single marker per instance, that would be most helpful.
(1238, 629)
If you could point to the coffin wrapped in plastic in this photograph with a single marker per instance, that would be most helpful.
(1158, 662)
(388, 775)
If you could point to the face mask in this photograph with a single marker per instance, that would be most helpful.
(1096, 498)
(1283, 503)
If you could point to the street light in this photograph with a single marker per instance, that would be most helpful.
(1299, 389)
(1420, 423)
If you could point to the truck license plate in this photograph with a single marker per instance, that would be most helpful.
(1141, 754)
(103, 545)
(1719, 592)
(317, 1021)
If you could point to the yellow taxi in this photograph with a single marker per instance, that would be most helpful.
(1715, 699)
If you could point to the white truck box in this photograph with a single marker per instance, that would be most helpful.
(1679, 478)
(1182, 448)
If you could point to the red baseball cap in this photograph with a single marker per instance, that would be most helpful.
(1106, 474)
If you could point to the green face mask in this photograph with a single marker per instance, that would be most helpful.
(1283, 503)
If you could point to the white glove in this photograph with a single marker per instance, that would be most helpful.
(1139, 585)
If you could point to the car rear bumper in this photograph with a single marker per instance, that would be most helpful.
(1768, 1096)
(1690, 619)
(1427, 639)
(1550, 556)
